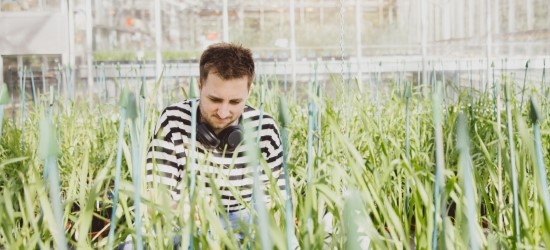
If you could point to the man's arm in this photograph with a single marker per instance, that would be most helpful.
(272, 150)
(163, 170)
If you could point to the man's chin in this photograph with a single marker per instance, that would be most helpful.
(220, 126)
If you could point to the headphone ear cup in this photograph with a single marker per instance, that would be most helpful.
(230, 137)
(206, 137)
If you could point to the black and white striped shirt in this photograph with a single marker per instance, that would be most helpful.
(170, 147)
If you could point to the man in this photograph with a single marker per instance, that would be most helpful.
(226, 76)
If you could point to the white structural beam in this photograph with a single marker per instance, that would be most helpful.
(471, 14)
(423, 32)
(89, 49)
(489, 37)
(158, 43)
(358, 42)
(69, 58)
(511, 15)
(293, 47)
(511, 21)
(1, 67)
(70, 15)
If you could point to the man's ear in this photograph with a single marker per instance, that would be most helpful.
(200, 84)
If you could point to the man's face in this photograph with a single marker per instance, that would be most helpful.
(222, 101)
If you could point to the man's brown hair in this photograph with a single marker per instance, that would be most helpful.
(228, 61)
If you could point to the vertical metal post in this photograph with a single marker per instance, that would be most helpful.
(511, 22)
(158, 43)
(225, 22)
(67, 58)
(293, 47)
(70, 15)
(435, 21)
(423, 32)
(113, 33)
(496, 16)
(358, 28)
(2, 70)
(63, 8)
(489, 38)
(89, 49)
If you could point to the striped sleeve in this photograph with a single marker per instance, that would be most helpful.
(162, 165)
(272, 151)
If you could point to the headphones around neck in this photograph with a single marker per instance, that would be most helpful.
(228, 139)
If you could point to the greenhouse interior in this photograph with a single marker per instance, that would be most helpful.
(357, 124)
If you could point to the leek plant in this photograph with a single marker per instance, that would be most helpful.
(34, 98)
(513, 170)
(462, 144)
(123, 103)
(536, 117)
(284, 119)
(48, 150)
(439, 160)
(523, 88)
(23, 105)
(43, 75)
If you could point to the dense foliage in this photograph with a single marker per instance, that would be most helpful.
(372, 174)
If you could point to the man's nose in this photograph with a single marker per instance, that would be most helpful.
(223, 111)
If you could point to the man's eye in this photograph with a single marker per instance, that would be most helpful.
(235, 102)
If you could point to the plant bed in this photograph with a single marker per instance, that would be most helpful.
(99, 227)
